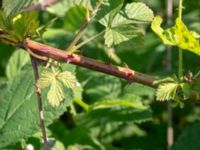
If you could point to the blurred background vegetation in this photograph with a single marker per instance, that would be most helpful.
(120, 128)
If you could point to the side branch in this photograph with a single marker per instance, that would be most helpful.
(63, 56)
(39, 98)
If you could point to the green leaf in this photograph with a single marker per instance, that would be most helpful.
(178, 35)
(59, 9)
(107, 88)
(167, 91)
(120, 24)
(186, 89)
(139, 12)
(166, 80)
(55, 94)
(188, 138)
(77, 12)
(17, 27)
(117, 35)
(88, 4)
(128, 100)
(19, 116)
(116, 114)
(16, 63)
(11, 7)
(25, 24)
(57, 80)
(108, 10)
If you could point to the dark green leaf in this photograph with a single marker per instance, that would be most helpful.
(188, 139)
(77, 12)
(19, 116)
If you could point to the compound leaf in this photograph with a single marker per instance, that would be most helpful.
(121, 24)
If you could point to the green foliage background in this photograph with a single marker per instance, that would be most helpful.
(117, 115)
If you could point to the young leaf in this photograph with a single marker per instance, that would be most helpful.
(55, 94)
(68, 79)
(11, 7)
(57, 80)
(167, 91)
(178, 35)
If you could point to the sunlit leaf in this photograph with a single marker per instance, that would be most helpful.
(167, 91)
(55, 94)
(68, 79)
(178, 35)
(139, 12)
(57, 81)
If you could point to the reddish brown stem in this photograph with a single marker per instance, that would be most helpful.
(39, 98)
(63, 56)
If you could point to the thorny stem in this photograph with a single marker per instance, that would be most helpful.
(180, 53)
(39, 98)
(62, 56)
(82, 29)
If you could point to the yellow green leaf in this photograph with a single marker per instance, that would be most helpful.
(57, 80)
(68, 79)
(55, 94)
(167, 91)
(178, 35)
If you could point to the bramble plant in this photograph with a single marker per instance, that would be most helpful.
(97, 111)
